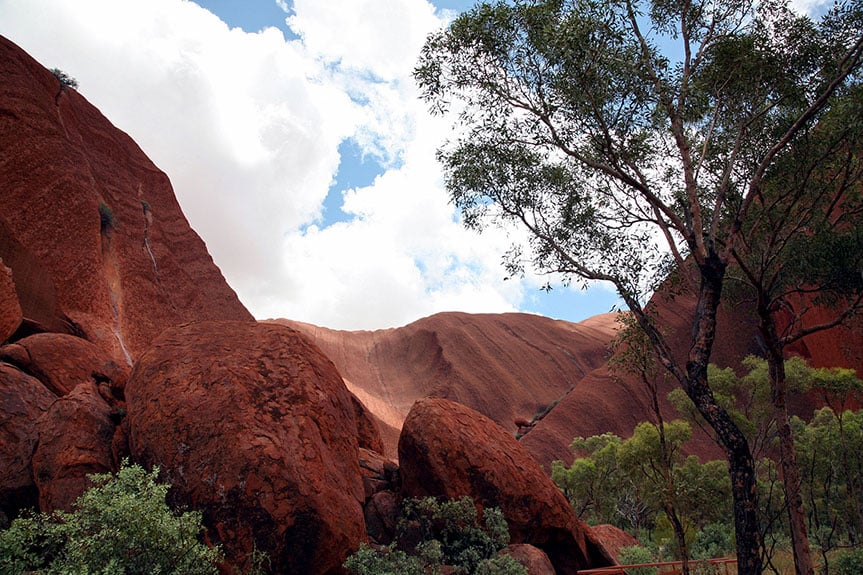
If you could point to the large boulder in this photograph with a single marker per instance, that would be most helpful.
(23, 400)
(253, 425)
(10, 307)
(449, 450)
(62, 362)
(74, 441)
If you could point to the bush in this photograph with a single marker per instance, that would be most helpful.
(848, 562)
(121, 525)
(637, 555)
(66, 81)
(434, 533)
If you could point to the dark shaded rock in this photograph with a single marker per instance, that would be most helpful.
(23, 400)
(74, 441)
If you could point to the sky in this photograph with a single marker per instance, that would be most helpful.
(298, 149)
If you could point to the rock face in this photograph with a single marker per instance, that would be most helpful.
(506, 366)
(95, 238)
(74, 441)
(23, 400)
(253, 426)
(62, 362)
(449, 450)
(10, 308)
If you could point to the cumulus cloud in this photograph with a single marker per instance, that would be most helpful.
(248, 127)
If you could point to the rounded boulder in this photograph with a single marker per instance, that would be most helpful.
(449, 450)
(253, 426)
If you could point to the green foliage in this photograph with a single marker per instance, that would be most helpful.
(433, 533)
(848, 562)
(623, 481)
(636, 555)
(830, 456)
(120, 526)
(66, 81)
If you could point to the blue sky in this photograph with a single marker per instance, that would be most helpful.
(298, 149)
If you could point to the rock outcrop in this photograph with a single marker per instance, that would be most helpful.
(61, 362)
(90, 227)
(252, 425)
(449, 450)
(74, 441)
(23, 401)
(506, 366)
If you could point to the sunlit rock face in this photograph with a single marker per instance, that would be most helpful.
(89, 226)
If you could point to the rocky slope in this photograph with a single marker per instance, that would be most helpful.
(506, 366)
(96, 241)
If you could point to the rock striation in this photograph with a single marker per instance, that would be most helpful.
(506, 366)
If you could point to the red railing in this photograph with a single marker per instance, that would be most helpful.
(664, 568)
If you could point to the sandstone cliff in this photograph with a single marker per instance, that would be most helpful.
(90, 227)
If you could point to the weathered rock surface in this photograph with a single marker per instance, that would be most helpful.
(117, 281)
(10, 308)
(253, 426)
(74, 441)
(613, 539)
(62, 362)
(534, 560)
(449, 450)
(506, 366)
(368, 431)
(23, 400)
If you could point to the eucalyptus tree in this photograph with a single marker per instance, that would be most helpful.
(631, 138)
(801, 252)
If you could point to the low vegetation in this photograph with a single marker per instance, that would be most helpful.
(432, 534)
(120, 526)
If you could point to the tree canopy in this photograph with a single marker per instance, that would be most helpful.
(632, 138)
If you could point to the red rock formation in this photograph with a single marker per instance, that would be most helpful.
(23, 400)
(63, 165)
(449, 450)
(534, 560)
(506, 366)
(10, 308)
(613, 539)
(74, 442)
(253, 426)
(62, 362)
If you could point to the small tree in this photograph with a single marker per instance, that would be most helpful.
(66, 81)
(121, 525)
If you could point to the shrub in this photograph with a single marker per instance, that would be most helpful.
(848, 562)
(434, 533)
(121, 525)
(66, 81)
(637, 555)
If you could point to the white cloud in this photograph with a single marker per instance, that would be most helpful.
(248, 127)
